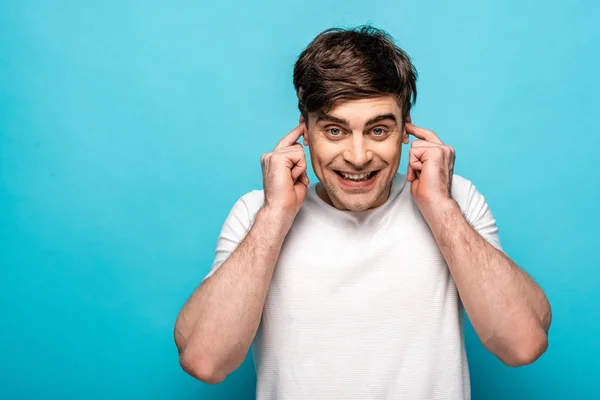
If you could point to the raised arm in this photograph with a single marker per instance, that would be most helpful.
(508, 310)
(217, 325)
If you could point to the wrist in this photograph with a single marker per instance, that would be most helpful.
(437, 210)
(279, 219)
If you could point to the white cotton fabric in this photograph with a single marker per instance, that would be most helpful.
(362, 304)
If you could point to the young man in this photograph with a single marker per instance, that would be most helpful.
(354, 287)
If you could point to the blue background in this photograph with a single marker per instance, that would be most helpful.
(129, 128)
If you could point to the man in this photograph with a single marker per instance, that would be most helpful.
(354, 287)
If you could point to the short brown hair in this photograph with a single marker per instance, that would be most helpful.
(347, 64)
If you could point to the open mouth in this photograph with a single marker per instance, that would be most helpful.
(353, 177)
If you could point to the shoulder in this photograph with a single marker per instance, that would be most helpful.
(463, 191)
(252, 202)
(243, 212)
(460, 185)
(471, 201)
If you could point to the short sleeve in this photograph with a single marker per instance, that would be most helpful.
(476, 210)
(236, 227)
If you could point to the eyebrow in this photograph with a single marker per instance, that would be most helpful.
(330, 118)
(379, 118)
(326, 117)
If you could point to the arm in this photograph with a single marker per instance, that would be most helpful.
(507, 309)
(216, 326)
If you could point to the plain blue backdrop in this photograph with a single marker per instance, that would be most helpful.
(129, 128)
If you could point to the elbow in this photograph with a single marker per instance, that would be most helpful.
(192, 359)
(526, 352)
(201, 368)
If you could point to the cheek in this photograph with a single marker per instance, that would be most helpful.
(389, 151)
(323, 153)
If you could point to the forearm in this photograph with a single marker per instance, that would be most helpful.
(507, 309)
(216, 327)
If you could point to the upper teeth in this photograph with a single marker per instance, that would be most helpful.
(356, 176)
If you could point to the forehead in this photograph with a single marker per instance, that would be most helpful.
(361, 110)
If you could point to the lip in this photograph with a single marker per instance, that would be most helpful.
(358, 185)
(356, 173)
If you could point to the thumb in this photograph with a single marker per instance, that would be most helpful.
(304, 179)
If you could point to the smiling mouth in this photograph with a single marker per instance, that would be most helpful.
(357, 177)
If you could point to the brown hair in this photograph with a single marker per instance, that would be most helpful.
(346, 64)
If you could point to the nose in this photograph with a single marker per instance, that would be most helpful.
(357, 152)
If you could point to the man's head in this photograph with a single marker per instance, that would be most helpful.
(355, 90)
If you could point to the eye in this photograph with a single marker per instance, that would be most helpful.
(334, 131)
(379, 132)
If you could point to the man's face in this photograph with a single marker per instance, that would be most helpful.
(355, 151)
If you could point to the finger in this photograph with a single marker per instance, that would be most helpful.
(416, 165)
(414, 171)
(304, 179)
(299, 169)
(424, 143)
(289, 158)
(301, 190)
(293, 158)
(416, 153)
(425, 153)
(296, 147)
(291, 137)
(422, 133)
(410, 174)
(414, 160)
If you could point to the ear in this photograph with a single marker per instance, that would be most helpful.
(405, 138)
(302, 121)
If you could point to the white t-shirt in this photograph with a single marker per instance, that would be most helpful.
(362, 304)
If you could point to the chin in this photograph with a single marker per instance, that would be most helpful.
(356, 202)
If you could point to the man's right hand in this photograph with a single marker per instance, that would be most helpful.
(216, 327)
(285, 181)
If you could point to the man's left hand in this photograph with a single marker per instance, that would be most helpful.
(430, 169)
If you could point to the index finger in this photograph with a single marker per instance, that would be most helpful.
(422, 133)
(292, 137)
